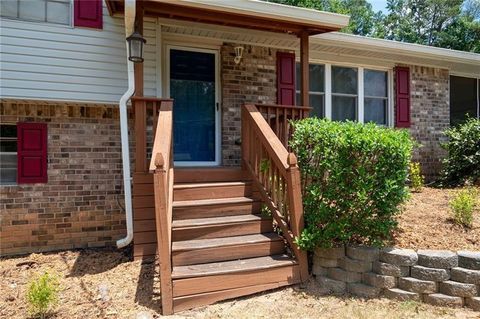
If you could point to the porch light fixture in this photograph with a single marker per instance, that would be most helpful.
(238, 55)
(135, 47)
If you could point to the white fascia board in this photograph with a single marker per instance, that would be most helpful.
(411, 49)
(270, 10)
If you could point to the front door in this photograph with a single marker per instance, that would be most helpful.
(193, 85)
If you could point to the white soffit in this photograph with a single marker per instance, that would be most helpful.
(269, 10)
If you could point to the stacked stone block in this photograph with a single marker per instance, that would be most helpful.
(437, 277)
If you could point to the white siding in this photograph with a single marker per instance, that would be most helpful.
(50, 62)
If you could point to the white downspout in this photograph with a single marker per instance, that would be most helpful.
(129, 28)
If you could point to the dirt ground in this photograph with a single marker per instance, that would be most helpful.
(426, 223)
(105, 283)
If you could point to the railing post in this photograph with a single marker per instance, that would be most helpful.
(140, 108)
(296, 211)
(160, 181)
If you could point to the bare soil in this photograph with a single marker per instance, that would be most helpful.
(105, 283)
(426, 223)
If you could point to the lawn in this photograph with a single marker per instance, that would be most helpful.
(105, 283)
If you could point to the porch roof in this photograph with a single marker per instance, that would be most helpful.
(250, 14)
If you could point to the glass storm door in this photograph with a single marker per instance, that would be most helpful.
(192, 84)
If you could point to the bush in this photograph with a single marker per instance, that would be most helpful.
(354, 179)
(463, 162)
(417, 181)
(42, 294)
(463, 205)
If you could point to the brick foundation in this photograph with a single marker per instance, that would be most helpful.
(79, 206)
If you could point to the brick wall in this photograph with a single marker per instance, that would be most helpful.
(251, 81)
(78, 207)
(430, 115)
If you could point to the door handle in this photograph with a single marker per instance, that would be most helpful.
(218, 106)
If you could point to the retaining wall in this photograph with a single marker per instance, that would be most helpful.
(437, 277)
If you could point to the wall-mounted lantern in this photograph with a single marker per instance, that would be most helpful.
(238, 55)
(135, 47)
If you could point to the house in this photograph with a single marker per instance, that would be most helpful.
(207, 162)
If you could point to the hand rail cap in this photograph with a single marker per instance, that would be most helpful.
(159, 161)
(291, 159)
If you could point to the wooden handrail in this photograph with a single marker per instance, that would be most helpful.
(277, 177)
(278, 118)
(161, 165)
(145, 108)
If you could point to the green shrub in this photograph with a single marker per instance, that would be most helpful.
(463, 206)
(42, 294)
(355, 179)
(463, 162)
(417, 181)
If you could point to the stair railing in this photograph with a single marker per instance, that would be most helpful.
(277, 177)
(161, 165)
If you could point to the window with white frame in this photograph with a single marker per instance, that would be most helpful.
(344, 93)
(348, 93)
(8, 154)
(316, 92)
(375, 105)
(464, 99)
(50, 11)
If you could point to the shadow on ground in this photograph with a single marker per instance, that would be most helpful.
(148, 287)
(96, 261)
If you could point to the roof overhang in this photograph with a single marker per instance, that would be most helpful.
(250, 14)
(397, 48)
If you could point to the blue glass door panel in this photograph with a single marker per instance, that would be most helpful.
(192, 86)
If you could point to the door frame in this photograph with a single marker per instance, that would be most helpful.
(216, 53)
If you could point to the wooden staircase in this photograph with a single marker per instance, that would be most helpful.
(214, 239)
(222, 244)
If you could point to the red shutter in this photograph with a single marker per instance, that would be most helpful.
(32, 153)
(88, 13)
(402, 118)
(285, 78)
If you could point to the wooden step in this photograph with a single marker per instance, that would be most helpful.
(200, 251)
(211, 174)
(196, 279)
(214, 190)
(215, 207)
(213, 227)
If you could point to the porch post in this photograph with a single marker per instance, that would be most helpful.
(304, 58)
(140, 107)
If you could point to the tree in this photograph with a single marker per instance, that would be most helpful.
(453, 24)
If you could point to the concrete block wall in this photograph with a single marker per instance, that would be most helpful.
(437, 277)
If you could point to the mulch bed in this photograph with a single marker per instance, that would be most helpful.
(106, 283)
(426, 223)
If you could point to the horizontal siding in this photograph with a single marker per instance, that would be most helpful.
(43, 61)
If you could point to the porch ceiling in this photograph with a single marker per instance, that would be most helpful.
(250, 14)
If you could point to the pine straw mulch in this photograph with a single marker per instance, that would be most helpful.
(426, 223)
(104, 283)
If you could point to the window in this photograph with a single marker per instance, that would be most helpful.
(344, 93)
(317, 89)
(375, 85)
(23, 153)
(348, 93)
(8, 154)
(51, 11)
(464, 99)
